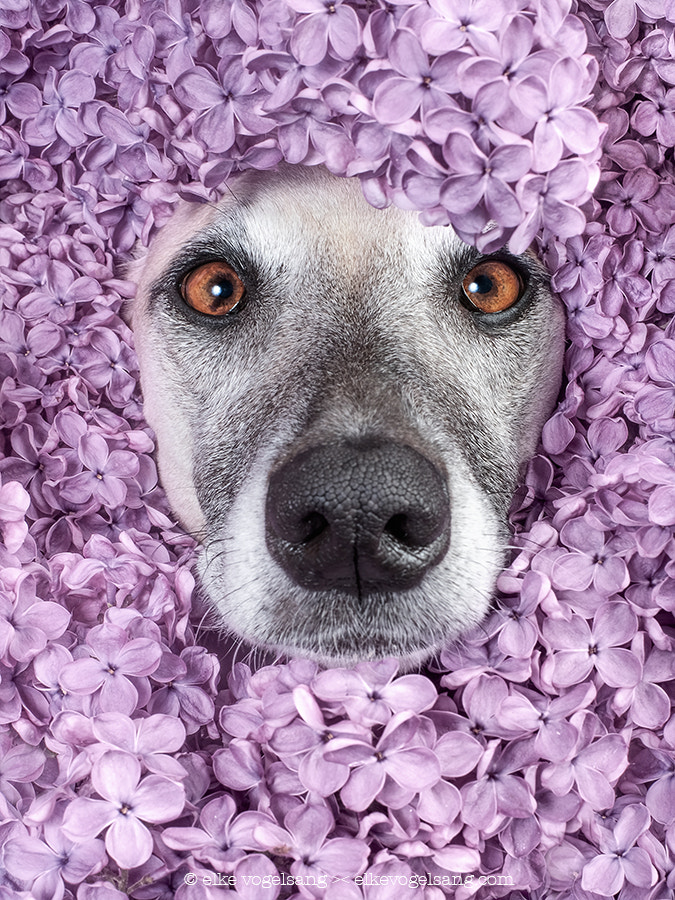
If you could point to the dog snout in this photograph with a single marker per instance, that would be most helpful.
(359, 518)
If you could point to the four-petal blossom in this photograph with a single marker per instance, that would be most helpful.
(127, 802)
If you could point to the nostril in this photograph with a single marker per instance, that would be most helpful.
(398, 527)
(314, 525)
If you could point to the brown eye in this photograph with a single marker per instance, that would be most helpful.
(214, 289)
(492, 286)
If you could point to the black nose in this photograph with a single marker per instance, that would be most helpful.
(361, 518)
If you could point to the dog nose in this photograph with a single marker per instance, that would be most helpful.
(358, 517)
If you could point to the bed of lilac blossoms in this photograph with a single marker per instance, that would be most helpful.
(537, 760)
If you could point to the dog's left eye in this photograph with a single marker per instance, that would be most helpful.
(213, 288)
(492, 286)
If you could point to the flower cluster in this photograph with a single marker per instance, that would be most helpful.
(536, 758)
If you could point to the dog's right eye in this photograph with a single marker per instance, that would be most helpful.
(492, 286)
(213, 289)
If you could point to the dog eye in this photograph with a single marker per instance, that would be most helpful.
(492, 286)
(214, 289)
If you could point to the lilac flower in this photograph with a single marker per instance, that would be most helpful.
(185, 681)
(46, 865)
(58, 293)
(224, 837)
(57, 118)
(398, 766)
(648, 702)
(326, 24)
(560, 124)
(113, 660)
(307, 739)
(127, 803)
(303, 839)
(592, 560)
(622, 15)
(106, 362)
(223, 103)
(151, 740)
(578, 649)
(14, 502)
(630, 199)
(418, 82)
(27, 623)
(504, 57)
(593, 766)
(483, 178)
(556, 737)
(620, 860)
(20, 764)
(238, 765)
(552, 200)
(459, 22)
(370, 692)
(499, 792)
(657, 114)
(104, 475)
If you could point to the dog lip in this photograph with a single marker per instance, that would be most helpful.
(361, 519)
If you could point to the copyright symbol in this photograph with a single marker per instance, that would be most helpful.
(190, 878)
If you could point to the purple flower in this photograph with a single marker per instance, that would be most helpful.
(560, 123)
(306, 740)
(20, 764)
(592, 560)
(46, 865)
(127, 803)
(552, 201)
(106, 471)
(14, 502)
(187, 687)
(395, 768)
(224, 103)
(224, 837)
(648, 702)
(114, 660)
(484, 179)
(151, 740)
(370, 692)
(419, 82)
(504, 58)
(593, 766)
(303, 839)
(499, 792)
(622, 15)
(27, 623)
(57, 118)
(327, 23)
(524, 712)
(578, 648)
(620, 860)
(458, 22)
(631, 203)
(106, 362)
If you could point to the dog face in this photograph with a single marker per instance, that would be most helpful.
(343, 400)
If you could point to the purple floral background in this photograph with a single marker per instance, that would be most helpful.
(541, 752)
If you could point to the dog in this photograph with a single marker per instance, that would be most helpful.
(343, 400)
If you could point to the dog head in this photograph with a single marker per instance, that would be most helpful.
(343, 401)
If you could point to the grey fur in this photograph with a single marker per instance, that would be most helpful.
(352, 330)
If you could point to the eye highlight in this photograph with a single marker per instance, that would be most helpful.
(493, 286)
(213, 288)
